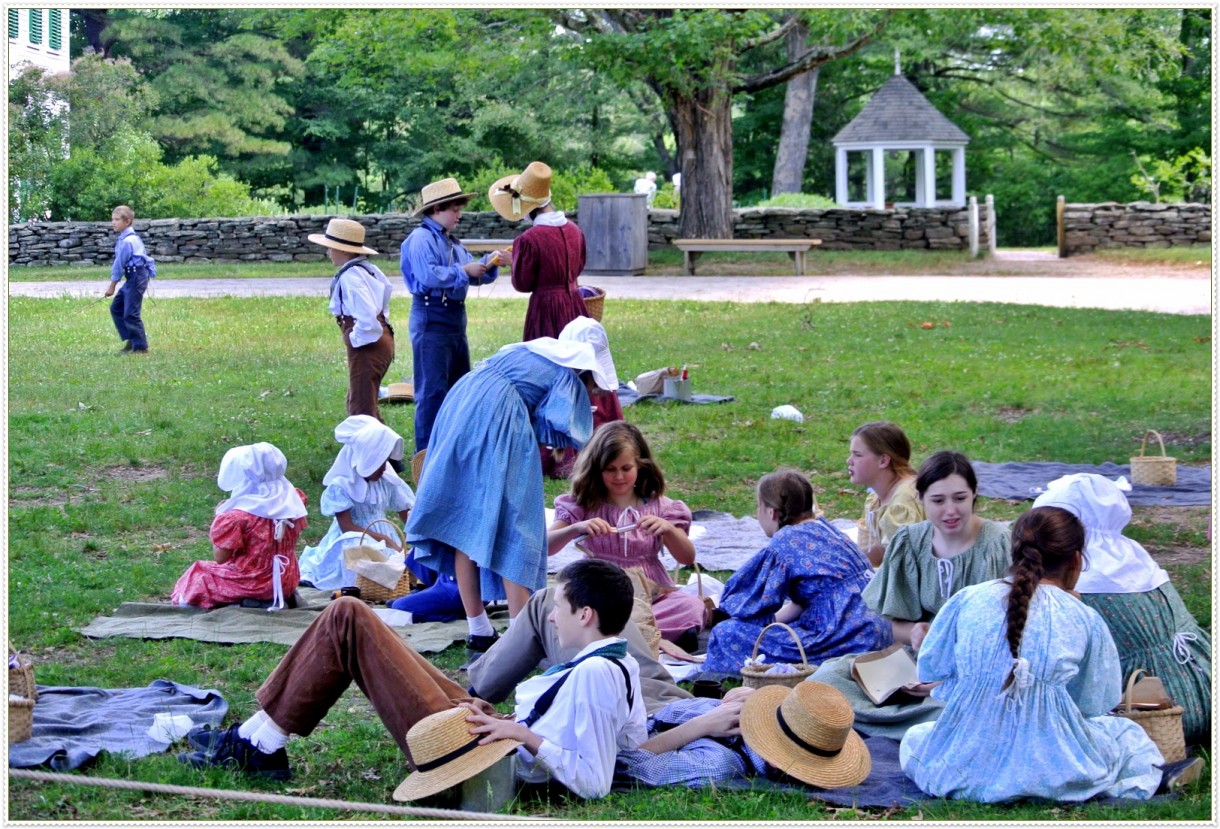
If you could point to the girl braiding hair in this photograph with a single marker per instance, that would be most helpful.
(790, 494)
(1045, 543)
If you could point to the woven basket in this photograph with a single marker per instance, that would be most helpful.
(20, 719)
(1150, 470)
(400, 393)
(21, 678)
(417, 464)
(1163, 725)
(596, 303)
(756, 676)
(370, 590)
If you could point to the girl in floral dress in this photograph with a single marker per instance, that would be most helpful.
(618, 503)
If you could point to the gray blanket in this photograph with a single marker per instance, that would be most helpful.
(1024, 481)
(626, 397)
(73, 725)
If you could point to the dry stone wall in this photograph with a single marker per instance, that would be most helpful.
(1087, 227)
(284, 238)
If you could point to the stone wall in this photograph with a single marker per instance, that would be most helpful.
(1085, 227)
(284, 238)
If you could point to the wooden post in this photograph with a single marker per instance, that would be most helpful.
(991, 240)
(1060, 234)
(973, 213)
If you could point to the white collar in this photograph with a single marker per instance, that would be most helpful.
(554, 218)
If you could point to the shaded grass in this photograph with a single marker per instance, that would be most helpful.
(1184, 255)
(112, 463)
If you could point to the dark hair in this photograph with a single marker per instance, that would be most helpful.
(1045, 541)
(602, 586)
(789, 493)
(941, 465)
(885, 438)
(441, 207)
(607, 443)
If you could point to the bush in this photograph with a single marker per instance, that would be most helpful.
(566, 185)
(802, 201)
(192, 187)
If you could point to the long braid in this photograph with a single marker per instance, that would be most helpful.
(1044, 540)
(790, 494)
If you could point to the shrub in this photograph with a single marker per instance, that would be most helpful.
(806, 201)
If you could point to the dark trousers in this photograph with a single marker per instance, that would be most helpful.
(347, 643)
(125, 311)
(440, 356)
(366, 367)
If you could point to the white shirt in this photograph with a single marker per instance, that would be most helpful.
(365, 293)
(586, 726)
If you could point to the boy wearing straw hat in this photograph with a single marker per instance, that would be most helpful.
(568, 726)
(438, 272)
(360, 302)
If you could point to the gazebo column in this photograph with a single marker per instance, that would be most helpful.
(925, 178)
(876, 183)
(959, 176)
(840, 175)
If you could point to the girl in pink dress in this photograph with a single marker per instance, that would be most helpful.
(617, 504)
(254, 534)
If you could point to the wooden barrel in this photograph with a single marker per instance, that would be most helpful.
(616, 233)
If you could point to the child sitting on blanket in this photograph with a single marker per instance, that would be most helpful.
(361, 488)
(880, 458)
(617, 502)
(254, 534)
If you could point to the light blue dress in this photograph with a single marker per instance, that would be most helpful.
(1045, 737)
(816, 566)
(481, 488)
(322, 565)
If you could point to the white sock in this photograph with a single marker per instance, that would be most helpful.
(480, 625)
(262, 731)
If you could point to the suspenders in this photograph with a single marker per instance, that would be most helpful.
(548, 696)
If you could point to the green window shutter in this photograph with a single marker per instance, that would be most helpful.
(35, 26)
(14, 24)
(55, 29)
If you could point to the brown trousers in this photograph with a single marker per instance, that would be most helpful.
(366, 367)
(347, 643)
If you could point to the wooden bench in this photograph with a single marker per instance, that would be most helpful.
(796, 249)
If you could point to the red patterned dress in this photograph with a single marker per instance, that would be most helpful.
(249, 573)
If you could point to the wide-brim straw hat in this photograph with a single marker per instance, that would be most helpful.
(806, 732)
(439, 192)
(516, 196)
(342, 234)
(446, 753)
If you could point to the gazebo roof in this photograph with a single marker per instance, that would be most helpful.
(899, 112)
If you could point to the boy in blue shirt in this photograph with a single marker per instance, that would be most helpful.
(134, 263)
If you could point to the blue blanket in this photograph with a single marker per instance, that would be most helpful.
(74, 725)
(1024, 481)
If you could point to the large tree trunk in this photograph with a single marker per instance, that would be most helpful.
(789, 172)
(705, 136)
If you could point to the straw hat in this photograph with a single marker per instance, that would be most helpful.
(438, 192)
(342, 234)
(515, 196)
(446, 754)
(806, 733)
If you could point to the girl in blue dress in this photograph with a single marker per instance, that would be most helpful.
(1027, 674)
(480, 514)
(361, 487)
(811, 564)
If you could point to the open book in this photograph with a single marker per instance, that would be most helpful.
(888, 676)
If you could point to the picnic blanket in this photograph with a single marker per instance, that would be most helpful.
(72, 726)
(627, 396)
(1025, 481)
(722, 542)
(242, 625)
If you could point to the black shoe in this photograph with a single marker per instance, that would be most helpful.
(480, 644)
(126, 346)
(203, 737)
(1180, 774)
(227, 748)
(688, 640)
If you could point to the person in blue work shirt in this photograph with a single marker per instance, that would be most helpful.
(132, 262)
(438, 271)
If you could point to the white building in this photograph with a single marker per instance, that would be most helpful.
(40, 37)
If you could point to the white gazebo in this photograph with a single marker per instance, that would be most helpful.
(900, 119)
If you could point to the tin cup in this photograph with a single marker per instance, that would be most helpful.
(676, 388)
(710, 688)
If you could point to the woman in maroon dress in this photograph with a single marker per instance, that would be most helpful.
(547, 259)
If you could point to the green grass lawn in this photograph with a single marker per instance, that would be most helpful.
(112, 465)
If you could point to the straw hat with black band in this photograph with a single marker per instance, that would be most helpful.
(446, 754)
(806, 732)
(515, 197)
(439, 192)
(342, 234)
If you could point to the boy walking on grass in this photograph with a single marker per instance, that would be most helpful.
(132, 262)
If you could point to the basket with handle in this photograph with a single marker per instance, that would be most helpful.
(756, 676)
(595, 300)
(1162, 725)
(372, 591)
(21, 678)
(1153, 470)
(22, 695)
